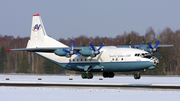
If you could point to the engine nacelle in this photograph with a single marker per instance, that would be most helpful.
(87, 52)
(60, 52)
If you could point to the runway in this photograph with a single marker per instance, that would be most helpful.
(55, 88)
(77, 81)
(99, 85)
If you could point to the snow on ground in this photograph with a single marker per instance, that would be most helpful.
(87, 94)
(59, 94)
(78, 79)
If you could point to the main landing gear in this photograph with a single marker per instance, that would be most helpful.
(137, 75)
(108, 74)
(87, 75)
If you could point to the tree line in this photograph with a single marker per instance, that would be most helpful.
(27, 62)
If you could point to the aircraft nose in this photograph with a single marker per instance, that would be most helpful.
(155, 60)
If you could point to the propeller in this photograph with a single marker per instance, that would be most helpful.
(155, 47)
(132, 45)
(71, 52)
(141, 45)
(96, 51)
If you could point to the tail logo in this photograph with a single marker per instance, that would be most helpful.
(37, 27)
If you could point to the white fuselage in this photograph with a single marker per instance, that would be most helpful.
(122, 58)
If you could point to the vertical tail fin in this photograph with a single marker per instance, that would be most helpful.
(37, 30)
(39, 38)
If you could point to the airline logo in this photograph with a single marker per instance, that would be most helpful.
(37, 27)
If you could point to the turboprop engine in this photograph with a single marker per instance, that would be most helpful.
(61, 52)
(66, 52)
(91, 52)
(87, 52)
(149, 49)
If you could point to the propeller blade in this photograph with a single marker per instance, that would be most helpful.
(132, 45)
(72, 45)
(141, 44)
(157, 43)
(101, 46)
(77, 54)
(71, 52)
(150, 45)
(66, 50)
(158, 54)
(92, 46)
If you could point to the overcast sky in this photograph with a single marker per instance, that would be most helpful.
(105, 18)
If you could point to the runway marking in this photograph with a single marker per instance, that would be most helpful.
(100, 85)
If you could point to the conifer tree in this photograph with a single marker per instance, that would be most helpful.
(2, 59)
(24, 65)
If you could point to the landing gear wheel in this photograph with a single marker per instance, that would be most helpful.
(105, 74)
(137, 75)
(87, 75)
(111, 75)
(83, 75)
(108, 74)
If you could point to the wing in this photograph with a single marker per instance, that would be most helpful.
(160, 45)
(49, 50)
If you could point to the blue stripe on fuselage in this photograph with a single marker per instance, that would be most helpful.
(115, 66)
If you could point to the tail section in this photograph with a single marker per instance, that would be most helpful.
(37, 30)
(39, 38)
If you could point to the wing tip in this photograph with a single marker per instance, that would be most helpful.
(8, 50)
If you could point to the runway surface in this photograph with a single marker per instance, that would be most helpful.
(118, 88)
(97, 81)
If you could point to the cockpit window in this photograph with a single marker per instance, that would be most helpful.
(143, 55)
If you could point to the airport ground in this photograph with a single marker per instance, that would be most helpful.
(88, 93)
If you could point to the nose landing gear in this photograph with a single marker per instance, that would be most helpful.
(137, 75)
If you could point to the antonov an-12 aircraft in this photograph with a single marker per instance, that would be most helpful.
(106, 59)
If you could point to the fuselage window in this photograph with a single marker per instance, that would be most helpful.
(81, 59)
(113, 59)
(77, 59)
(85, 60)
(121, 58)
(69, 60)
(73, 60)
(116, 59)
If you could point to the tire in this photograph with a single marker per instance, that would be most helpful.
(105, 74)
(90, 75)
(84, 75)
(111, 74)
(135, 76)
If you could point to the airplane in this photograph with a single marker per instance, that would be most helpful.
(106, 59)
